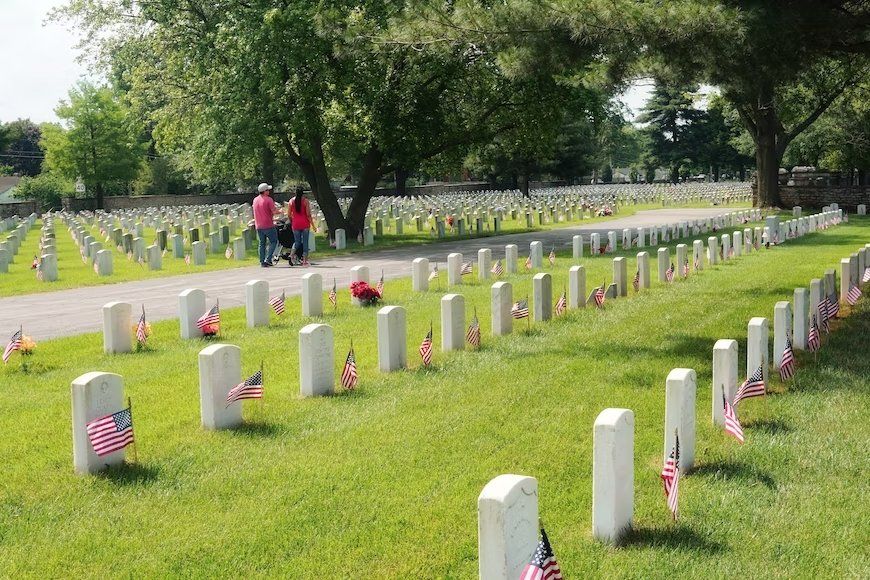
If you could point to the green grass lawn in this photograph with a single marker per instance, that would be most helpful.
(72, 273)
(383, 482)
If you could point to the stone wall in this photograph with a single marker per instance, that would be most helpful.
(847, 197)
(19, 208)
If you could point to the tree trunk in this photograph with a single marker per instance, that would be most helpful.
(99, 192)
(359, 205)
(401, 176)
(318, 177)
(267, 165)
(524, 184)
(742, 172)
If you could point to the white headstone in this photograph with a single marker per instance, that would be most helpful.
(725, 353)
(154, 257)
(643, 269)
(49, 267)
(117, 328)
(257, 303)
(507, 526)
(198, 253)
(420, 275)
(845, 278)
(577, 246)
(191, 306)
(680, 391)
(801, 319)
(757, 348)
(340, 239)
(713, 250)
(620, 275)
(104, 263)
(816, 294)
(511, 253)
(611, 240)
(576, 287)
(94, 395)
(316, 361)
(454, 267)
(536, 251)
(612, 474)
(312, 294)
(392, 338)
(501, 296)
(220, 369)
(782, 319)
(542, 297)
(452, 322)
(663, 261)
(697, 253)
(484, 263)
(737, 243)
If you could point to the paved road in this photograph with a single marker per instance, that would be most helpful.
(75, 311)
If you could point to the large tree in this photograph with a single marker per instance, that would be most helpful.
(22, 151)
(95, 141)
(781, 63)
(316, 81)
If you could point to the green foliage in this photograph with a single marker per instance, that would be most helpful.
(23, 153)
(47, 188)
(98, 144)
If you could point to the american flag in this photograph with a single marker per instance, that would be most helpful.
(732, 424)
(278, 303)
(466, 268)
(686, 268)
(787, 364)
(187, 259)
(211, 317)
(35, 264)
(697, 263)
(434, 273)
(599, 296)
(520, 309)
(833, 305)
(823, 314)
(13, 345)
(250, 388)
(854, 295)
(349, 377)
(426, 348)
(333, 294)
(112, 432)
(543, 565)
(529, 262)
(472, 336)
(669, 273)
(141, 335)
(751, 387)
(552, 256)
(379, 287)
(229, 252)
(561, 304)
(866, 277)
(813, 338)
(497, 270)
(636, 281)
(671, 476)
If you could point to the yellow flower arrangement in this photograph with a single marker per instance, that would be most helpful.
(27, 345)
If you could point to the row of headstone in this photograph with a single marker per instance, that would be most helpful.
(11, 243)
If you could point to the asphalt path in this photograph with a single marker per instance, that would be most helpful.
(76, 311)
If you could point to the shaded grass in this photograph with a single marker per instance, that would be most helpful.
(72, 273)
(384, 481)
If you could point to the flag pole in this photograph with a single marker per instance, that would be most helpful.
(135, 452)
(528, 317)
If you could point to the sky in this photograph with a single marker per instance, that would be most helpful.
(39, 63)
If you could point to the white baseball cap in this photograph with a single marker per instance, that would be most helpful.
(263, 187)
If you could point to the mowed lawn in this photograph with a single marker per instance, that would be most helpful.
(383, 482)
(73, 273)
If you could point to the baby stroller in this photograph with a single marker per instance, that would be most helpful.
(285, 242)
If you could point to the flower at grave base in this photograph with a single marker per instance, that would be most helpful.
(211, 329)
(364, 293)
(28, 345)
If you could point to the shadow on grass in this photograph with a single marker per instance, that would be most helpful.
(770, 426)
(676, 538)
(130, 474)
(257, 429)
(741, 472)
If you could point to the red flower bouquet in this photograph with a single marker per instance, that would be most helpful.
(364, 293)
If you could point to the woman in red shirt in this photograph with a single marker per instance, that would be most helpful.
(299, 212)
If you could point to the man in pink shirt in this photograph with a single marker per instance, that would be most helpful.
(264, 212)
